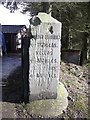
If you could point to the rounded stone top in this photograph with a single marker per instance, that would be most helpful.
(47, 18)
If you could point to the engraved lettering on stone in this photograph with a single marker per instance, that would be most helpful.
(44, 60)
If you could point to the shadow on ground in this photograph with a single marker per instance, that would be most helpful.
(12, 87)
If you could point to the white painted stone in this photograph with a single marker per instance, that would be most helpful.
(44, 58)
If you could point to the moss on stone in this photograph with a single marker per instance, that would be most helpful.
(50, 107)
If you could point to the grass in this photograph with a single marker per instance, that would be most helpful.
(87, 63)
(81, 106)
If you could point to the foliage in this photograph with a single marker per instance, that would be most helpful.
(77, 16)
(32, 7)
(75, 23)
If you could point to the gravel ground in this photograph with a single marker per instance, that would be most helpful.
(75, 79)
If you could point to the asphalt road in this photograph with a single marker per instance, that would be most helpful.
(9, 64)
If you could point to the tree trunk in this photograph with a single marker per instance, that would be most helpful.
(65, 35)
(62, 16)
(46, 7)
(84, 48)
(65, 19)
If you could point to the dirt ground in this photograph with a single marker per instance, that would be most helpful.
(76, 80)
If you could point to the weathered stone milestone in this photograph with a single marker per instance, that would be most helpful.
(44, 58)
